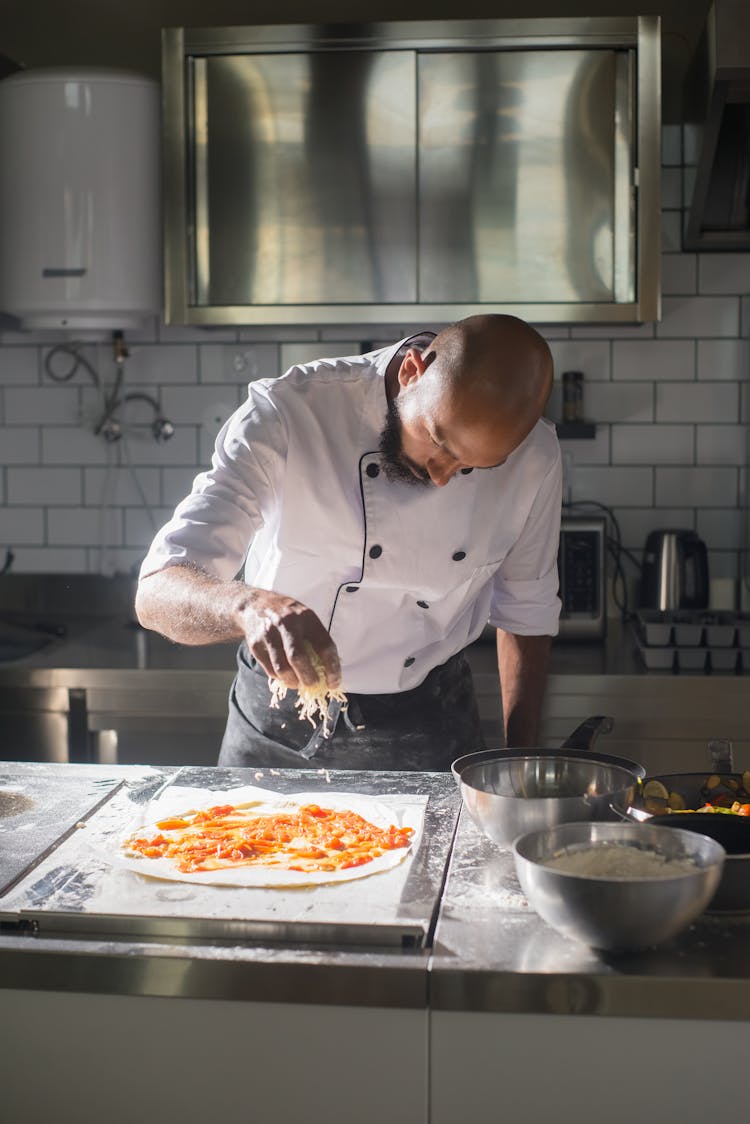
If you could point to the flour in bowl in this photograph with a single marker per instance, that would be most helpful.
(618, 860)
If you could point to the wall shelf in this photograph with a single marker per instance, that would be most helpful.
(575, 431)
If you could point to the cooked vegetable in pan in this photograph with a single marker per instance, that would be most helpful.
(727, 794)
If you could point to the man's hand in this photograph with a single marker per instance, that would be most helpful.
(190, 606)
(281, 633)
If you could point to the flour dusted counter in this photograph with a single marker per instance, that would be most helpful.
(461, 1005)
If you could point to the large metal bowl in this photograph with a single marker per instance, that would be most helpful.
(508, 793)
(618, 914)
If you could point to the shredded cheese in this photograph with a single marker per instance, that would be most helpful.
(312, 702)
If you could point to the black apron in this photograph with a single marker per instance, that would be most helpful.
(426, 728)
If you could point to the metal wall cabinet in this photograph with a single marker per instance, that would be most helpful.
(412, 172)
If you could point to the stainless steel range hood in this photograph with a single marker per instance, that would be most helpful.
(412, 172)
(717, 106)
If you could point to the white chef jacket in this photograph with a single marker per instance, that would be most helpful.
(402, 575)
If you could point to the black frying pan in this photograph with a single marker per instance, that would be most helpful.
(733, 832)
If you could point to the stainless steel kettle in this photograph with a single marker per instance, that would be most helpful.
(675, 571)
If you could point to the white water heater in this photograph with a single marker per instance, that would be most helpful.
(80, 213)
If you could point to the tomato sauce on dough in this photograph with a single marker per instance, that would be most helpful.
(309, 838)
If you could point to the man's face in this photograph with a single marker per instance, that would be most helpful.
(428, 437)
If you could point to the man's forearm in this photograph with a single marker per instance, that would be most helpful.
(190, 607)
(522, 663)
(287, 638)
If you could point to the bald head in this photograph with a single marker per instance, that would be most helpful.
(499, 363)
(469, 399)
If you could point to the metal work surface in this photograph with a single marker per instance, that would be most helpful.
(80, 889)
(38, 809)
(492, 953)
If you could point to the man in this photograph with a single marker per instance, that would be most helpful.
(385, 506)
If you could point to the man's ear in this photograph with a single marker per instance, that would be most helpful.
(413, 366)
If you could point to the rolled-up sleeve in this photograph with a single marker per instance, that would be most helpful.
(215, 524)
(525, 589)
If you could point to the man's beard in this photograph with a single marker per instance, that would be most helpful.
(396, 465)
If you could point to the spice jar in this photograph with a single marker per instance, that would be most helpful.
(572, 396)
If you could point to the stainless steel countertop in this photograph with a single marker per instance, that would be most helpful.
(493, 953)
(490, 954)
(80, 889)
(95, 959)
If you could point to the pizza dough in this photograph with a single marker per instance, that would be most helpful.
(380, 811)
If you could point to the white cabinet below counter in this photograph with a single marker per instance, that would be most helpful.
(489, 1067)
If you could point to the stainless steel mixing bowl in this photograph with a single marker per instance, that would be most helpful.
(618, 914)
(507, 793)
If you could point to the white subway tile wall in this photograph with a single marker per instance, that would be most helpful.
(19, 366)
(653, 360)
(697, 402)
(291, 353)
(695, 317)
(725, 360)
(671, 403)
(653, 444)
(724, 273)
(678, 273)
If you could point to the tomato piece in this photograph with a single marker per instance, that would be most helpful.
(172, 823)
